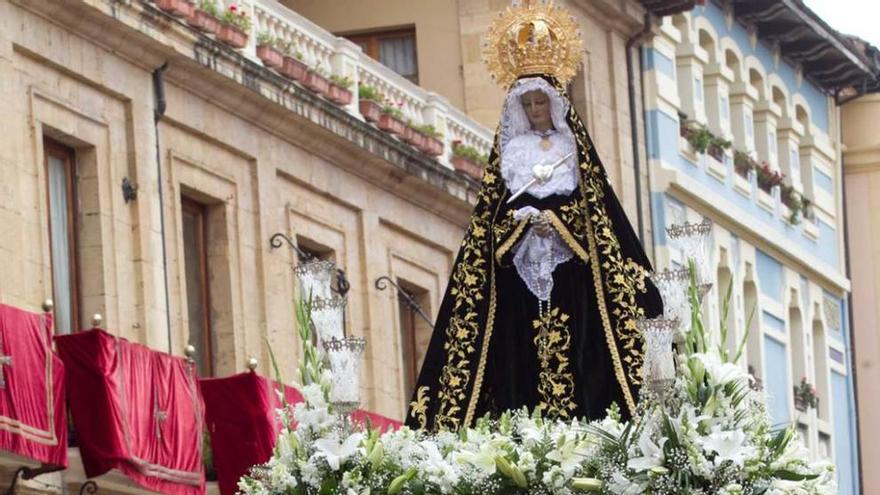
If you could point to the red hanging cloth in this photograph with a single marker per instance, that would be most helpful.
(136, 410)
(241, 419)
(33, 423)
(240, 416)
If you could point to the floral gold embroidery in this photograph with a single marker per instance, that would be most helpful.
(419, 407)
(555, 380)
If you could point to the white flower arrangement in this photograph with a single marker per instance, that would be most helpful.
(709, 435)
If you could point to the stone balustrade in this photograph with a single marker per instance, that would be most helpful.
(332, 55)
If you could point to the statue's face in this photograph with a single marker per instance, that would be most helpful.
(537, 106)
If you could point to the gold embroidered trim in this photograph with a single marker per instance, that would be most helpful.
(567, 236)
(484, 353)
(418, 408)
(606, 322)
(467, 283)
(555, 381)
(505, 247)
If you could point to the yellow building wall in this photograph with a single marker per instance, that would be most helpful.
(861, 168)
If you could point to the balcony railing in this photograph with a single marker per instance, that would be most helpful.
(323, 51)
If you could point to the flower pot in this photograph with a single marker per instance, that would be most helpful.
(339, 95)
(317, 83)
(203, 21)
(716, 152)
(392, 124)
(370, 109)
(232, 36)
(433, 147)
(414, 137)
(177, 8)
(271, 57)
(467, 167)
(294, 69)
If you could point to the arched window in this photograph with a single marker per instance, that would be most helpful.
(820, 369)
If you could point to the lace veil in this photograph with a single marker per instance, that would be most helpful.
(514, 120)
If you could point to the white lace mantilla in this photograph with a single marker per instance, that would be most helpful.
(535, 256)
(523, 152)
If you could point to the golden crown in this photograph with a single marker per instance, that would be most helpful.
(533, 38)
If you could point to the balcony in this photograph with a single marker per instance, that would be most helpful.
(333, 56)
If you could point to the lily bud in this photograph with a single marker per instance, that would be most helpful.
(587, 484)
(397, 483)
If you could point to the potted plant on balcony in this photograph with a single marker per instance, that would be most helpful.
(767, 178)
(268, 52)
(716, 147)
(433, 142)
(794, 201)
(177, 8)
(805, 396)
(234, 27)
(468, 160)
(317, 81)
(391, 120)
(413, 136)
(204, 17)
(743, 163)
(339, 89)
(293, 65)
(369, 103)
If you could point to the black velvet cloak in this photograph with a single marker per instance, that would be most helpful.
(490, 350)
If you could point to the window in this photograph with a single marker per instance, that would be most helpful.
(698, 89)
(198, 297)
(725, 108)
(396, 49)
(60, 163)
(415, 334)
(771, 142)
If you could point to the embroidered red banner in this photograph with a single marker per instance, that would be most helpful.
(135, 410)
(241, 419)
(33, 423)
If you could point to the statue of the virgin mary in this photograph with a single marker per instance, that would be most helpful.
(544, 296)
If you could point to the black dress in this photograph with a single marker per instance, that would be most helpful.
(490, 350)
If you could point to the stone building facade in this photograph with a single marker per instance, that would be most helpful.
(223, 154)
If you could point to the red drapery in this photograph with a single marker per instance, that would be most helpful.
(240, 416)
(33, 422)
(135, 410)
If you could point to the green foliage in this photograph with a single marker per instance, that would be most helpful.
(209, 7)
(237, 17)
(469, 152)
(342, 81)
(366, 92)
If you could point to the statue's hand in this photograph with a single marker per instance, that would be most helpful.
(541, 225)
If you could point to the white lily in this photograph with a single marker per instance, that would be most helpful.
(336, 452)
(652, 454)
(729, 445)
